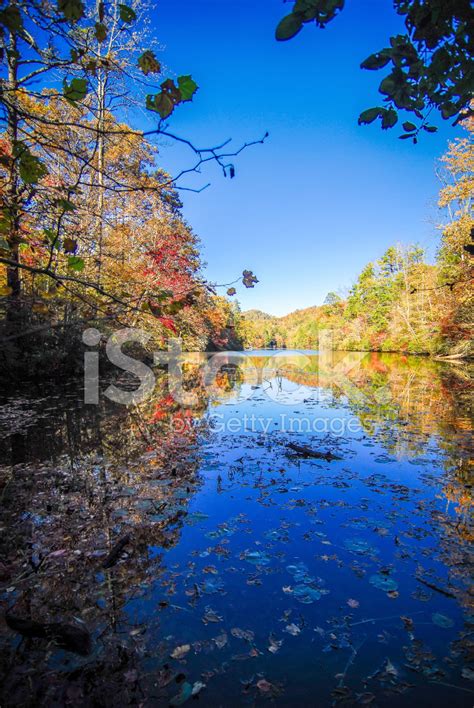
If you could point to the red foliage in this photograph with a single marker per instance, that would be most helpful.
(168, 323)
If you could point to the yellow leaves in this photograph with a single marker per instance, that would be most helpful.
(459, 162)
(40, 308)
(5, 291)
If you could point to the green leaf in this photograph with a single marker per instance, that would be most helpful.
(76, 263)
(288, 27)
(160, 103)
(389, 118)
(127, 14)
(100, 32)
(69, 245)
(369, 115)
(409, 127)
(187, 87)
(448, 110)
(75, 91)
(53, 238)
(5, 222)
(148, 63)
(30, 167)
(4, 245)
(172, 90)
(11, 18)
(388, 85)
(377, 60)
(72, 10)
(65, 204)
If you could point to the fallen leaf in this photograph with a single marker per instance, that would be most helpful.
(180, 651)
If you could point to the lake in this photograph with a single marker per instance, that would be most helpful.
(301, 535)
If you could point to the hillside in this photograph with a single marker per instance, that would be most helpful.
(398, 303)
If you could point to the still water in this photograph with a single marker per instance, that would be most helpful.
(301, 536)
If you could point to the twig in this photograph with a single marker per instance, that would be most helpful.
(452, 685)
(446, 593)
(380, 619)
(350, 661)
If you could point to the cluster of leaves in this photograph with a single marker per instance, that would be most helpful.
(248, 280)
(171, 95)
(431, 66)
(319, 11)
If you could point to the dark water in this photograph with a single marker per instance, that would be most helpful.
(253, 573)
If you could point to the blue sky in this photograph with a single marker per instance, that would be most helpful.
(322, 196)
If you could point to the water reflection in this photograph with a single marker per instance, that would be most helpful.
(259, 572)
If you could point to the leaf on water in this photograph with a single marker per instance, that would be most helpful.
(274, 644)
(184, 695)
(198, 686)
(210, 569)
(306, 594)
(256, 557)
(441, 620)
(221, 640)
(196, 517)
(383, 582)
(359, 546)
(390, 669)
(211, 585)
(293, 629)
(181, 651)
(246, 634)
(211, 616)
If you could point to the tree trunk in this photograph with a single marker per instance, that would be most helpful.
(12, 201)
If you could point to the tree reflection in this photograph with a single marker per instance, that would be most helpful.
(79, 480)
